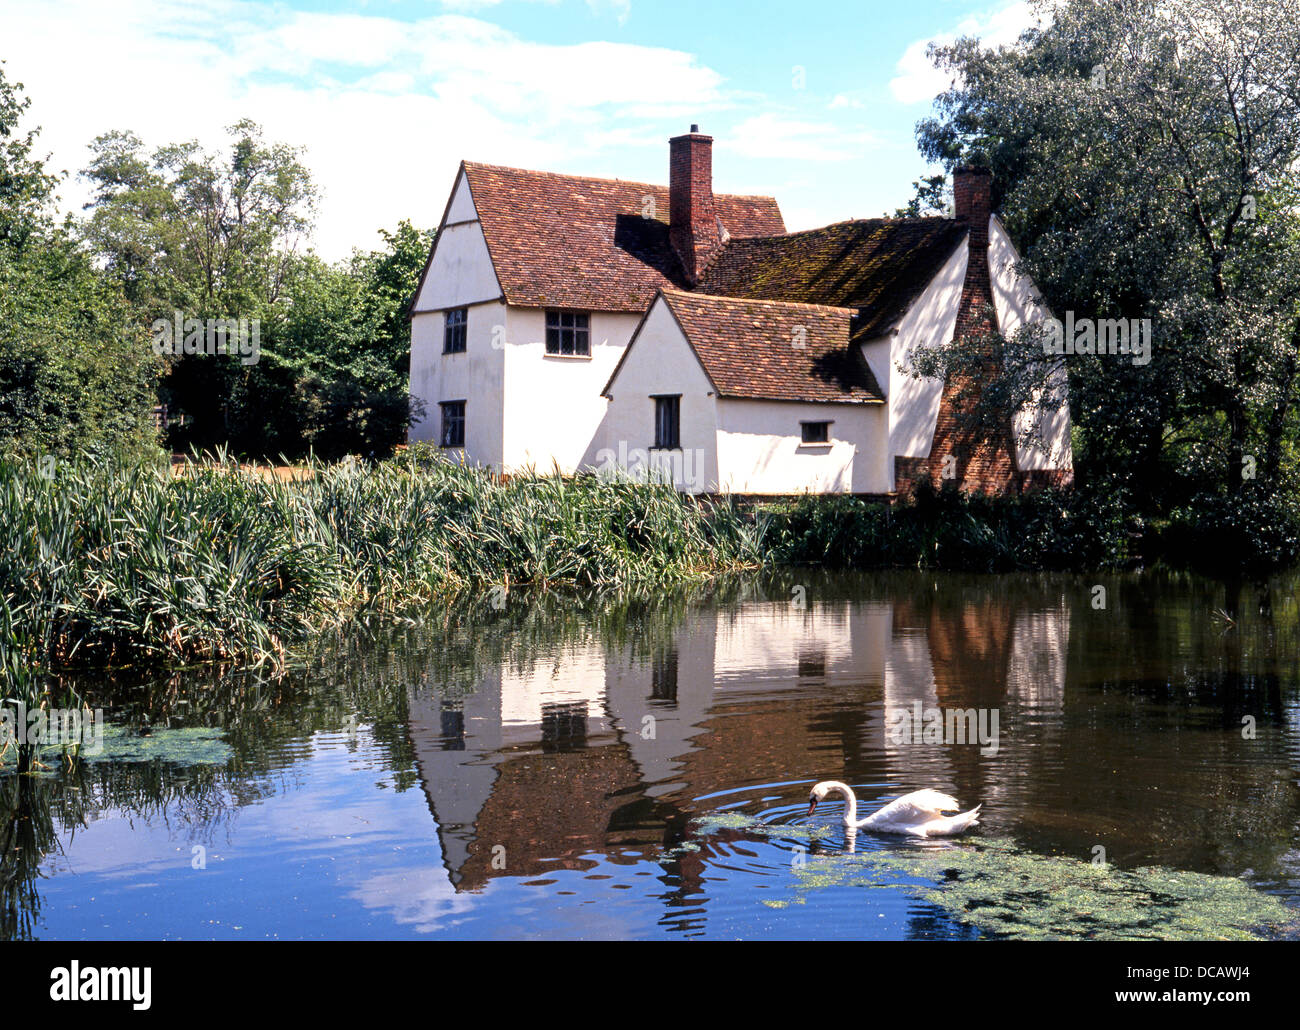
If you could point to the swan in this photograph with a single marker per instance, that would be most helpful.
(919, 814)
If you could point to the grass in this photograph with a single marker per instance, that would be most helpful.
(121, 565)
(105, 565)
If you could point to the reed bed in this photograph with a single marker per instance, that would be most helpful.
(113, 565)
(953, 530)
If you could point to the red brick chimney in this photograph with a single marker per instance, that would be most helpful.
(692, 222)
(974, 461)
(972, 193)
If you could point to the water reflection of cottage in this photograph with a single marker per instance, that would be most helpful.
(586, 747)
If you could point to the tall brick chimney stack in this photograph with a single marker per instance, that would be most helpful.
(976, 458)
(972, 193)
(692, 221)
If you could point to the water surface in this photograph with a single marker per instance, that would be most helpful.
(543, 771)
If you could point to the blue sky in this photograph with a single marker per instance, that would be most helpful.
(814, 103)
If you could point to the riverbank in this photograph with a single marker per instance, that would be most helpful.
(121, 565)
(110, 565)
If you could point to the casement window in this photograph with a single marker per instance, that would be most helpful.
(453, 424)
(568, 333)
(668, 422)
(815, 432)
(453, 331)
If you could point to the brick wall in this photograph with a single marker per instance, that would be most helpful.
(984, 463)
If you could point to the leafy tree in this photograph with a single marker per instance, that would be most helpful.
(222, 235)
(1145, 155)
(338, 358)
(930, 197)
(73, 376)
(212, 236)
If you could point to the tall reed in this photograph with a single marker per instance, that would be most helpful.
(105, 564)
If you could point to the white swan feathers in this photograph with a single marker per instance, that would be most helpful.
(919, 814)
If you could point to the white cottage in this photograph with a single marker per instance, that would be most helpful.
(583, 323)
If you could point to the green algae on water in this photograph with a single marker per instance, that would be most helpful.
(708, 824)
(1007, 892)
(188, 745)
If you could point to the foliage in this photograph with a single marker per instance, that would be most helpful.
(950, 529)
(1256, 527)
(108, 563)
(220, 235)
(1144, 158)
(71, 377)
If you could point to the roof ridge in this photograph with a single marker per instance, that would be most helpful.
(605, 179)
(698, 295)
(932, 219)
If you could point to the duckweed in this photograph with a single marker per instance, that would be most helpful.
(1006, 891)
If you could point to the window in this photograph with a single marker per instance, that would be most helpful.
(668, 422)
(568, 333)
(812, 665)
(453, 424)
(452, 724)
(564, 726)
(453, 332)
(816, 432)
(663, 676)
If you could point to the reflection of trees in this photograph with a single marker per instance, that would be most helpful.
(27, 835)
(36, 811)
(1226, 645)
(1097, 758)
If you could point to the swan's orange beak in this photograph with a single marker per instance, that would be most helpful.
(812, 806)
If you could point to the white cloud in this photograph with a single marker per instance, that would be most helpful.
(775, 136)
(385, 109)
(918, 80)
(620, 9)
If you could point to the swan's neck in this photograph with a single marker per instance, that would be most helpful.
(850, 801)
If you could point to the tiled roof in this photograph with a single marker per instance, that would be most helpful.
(766, 350)
(569, 241)
(877, 266)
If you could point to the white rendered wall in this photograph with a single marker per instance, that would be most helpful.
(662, 362)
(930, 322)
(554, 408)
(760, 448)
(1017, 303)
(477, 377)
(460, 274)
(461, 208)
